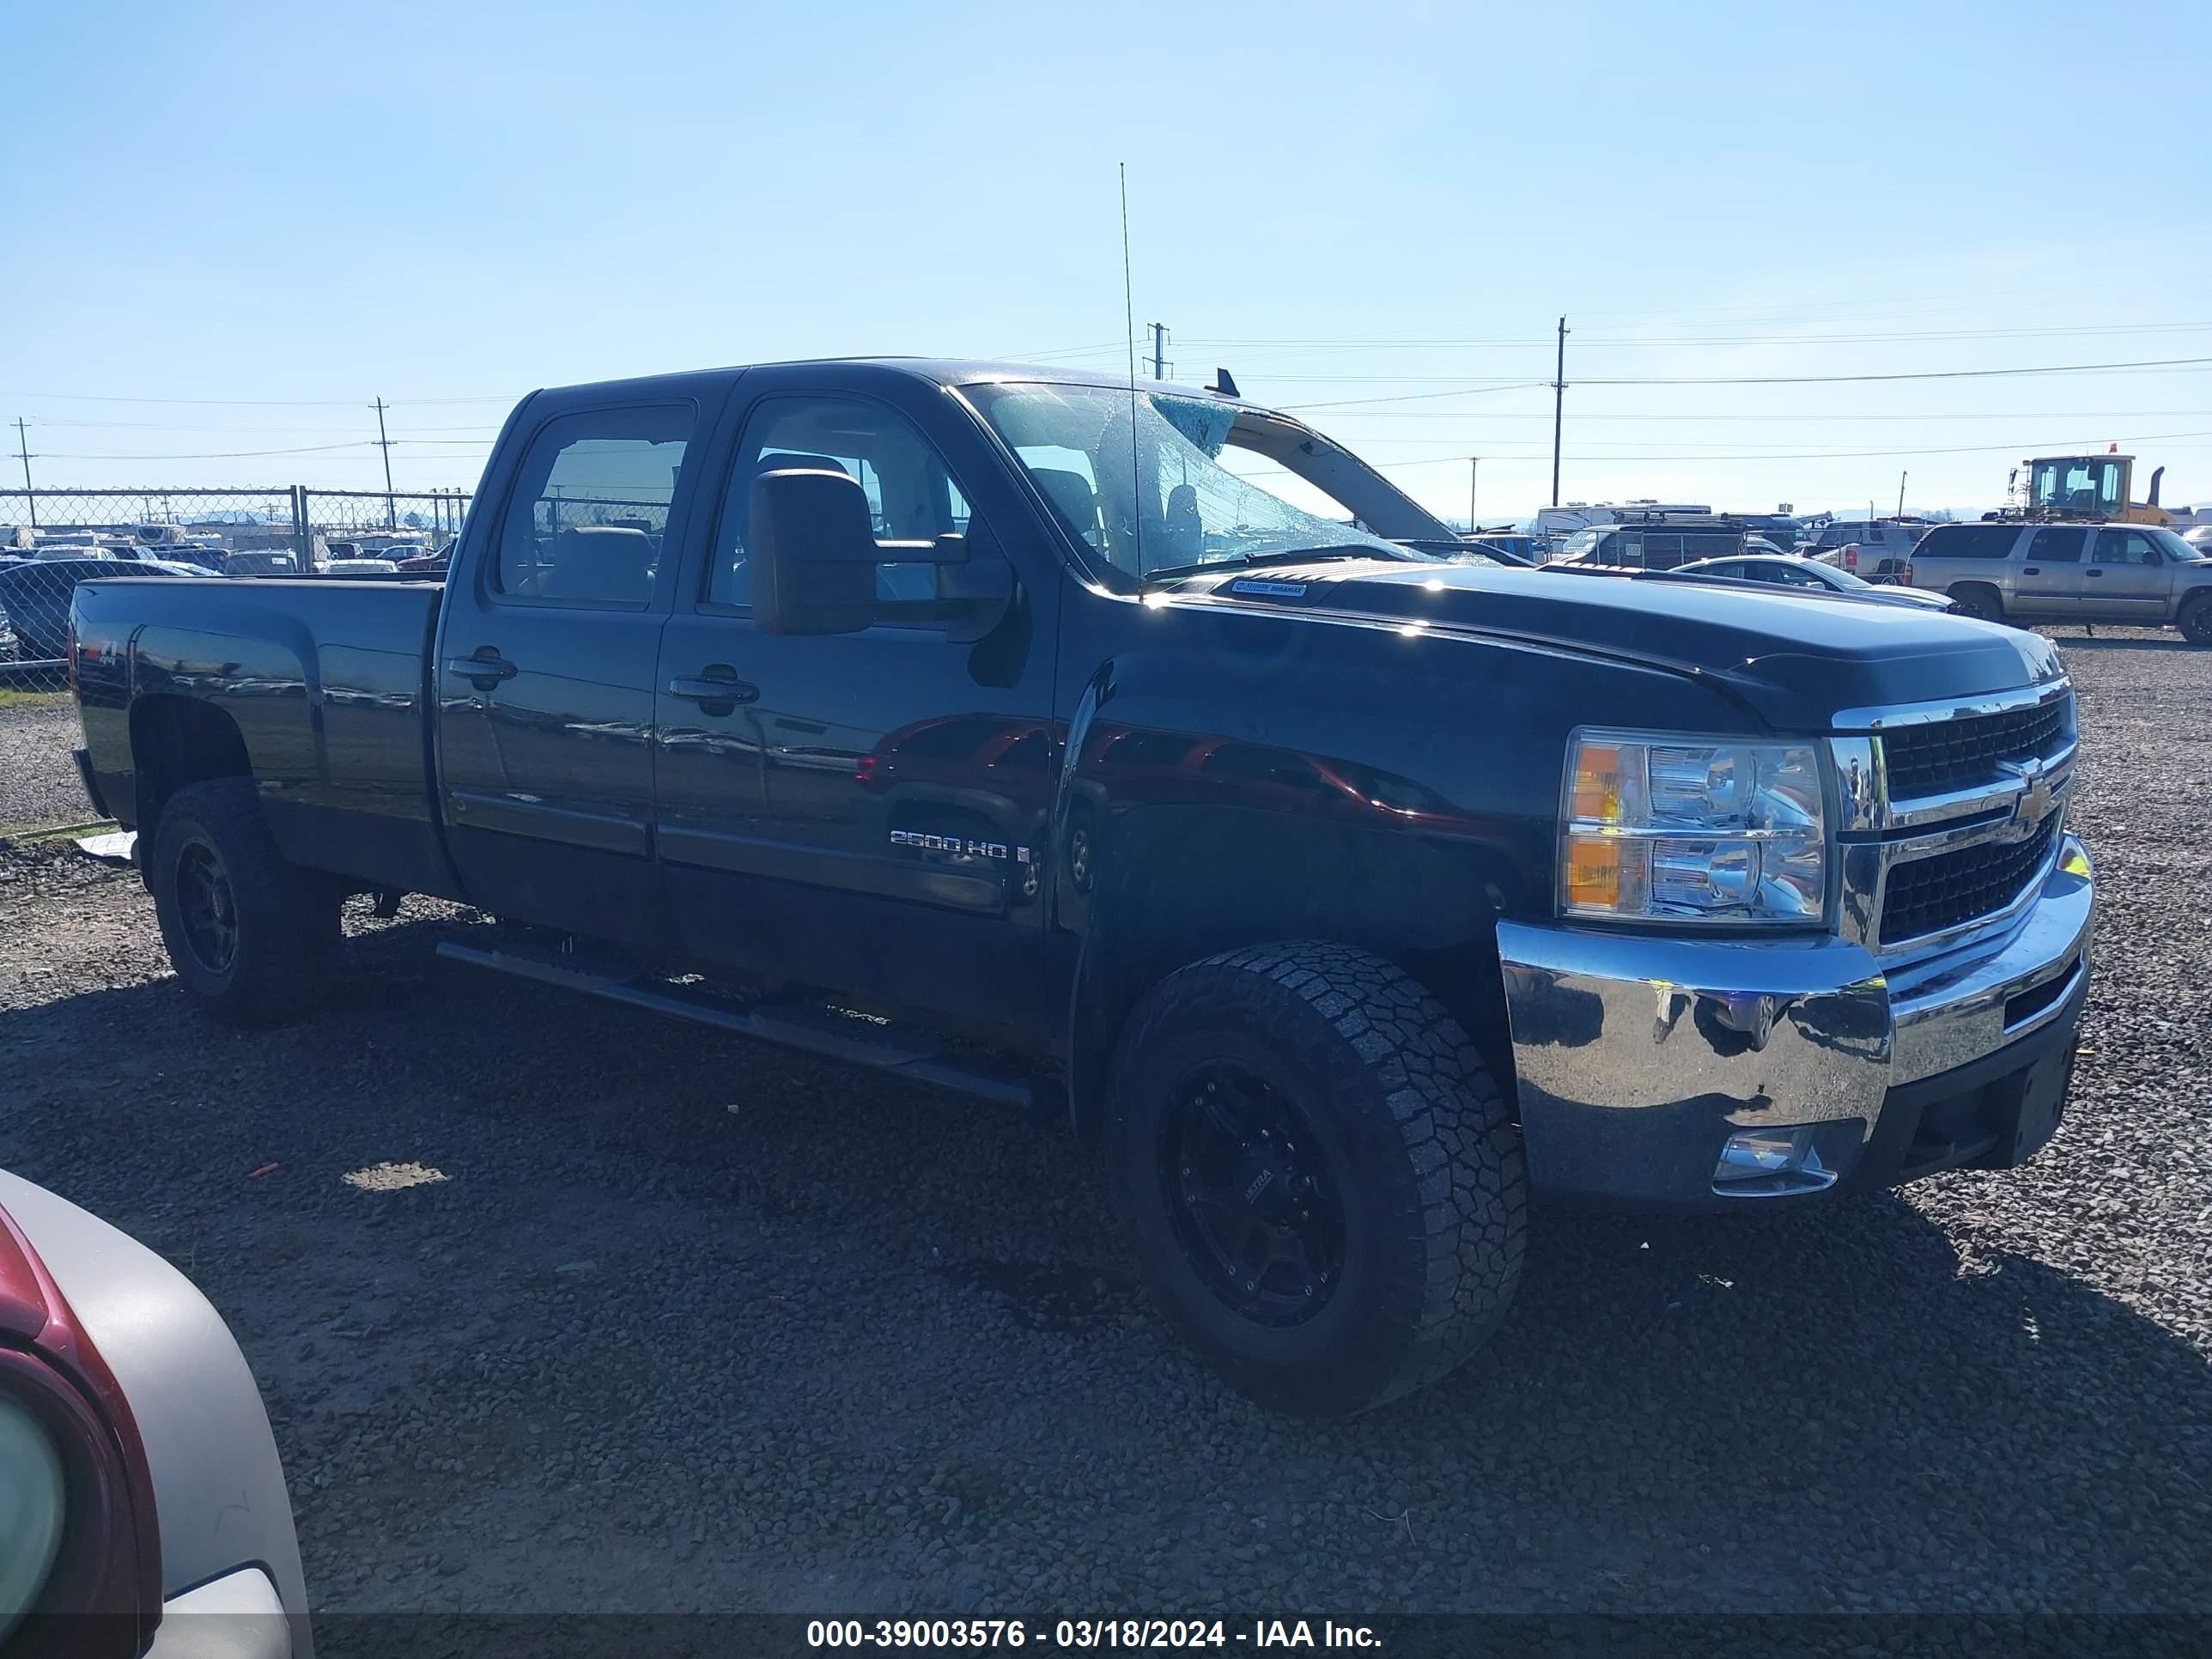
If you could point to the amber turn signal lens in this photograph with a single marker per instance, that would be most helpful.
(1594, 872)
(1598, 782)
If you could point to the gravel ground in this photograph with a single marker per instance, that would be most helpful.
(689, 1323)
(39, 785)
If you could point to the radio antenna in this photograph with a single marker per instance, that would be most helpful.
(1129, 335)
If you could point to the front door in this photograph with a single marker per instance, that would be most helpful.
(2049, 583)
(864, 812)
(545, 671)
(2130, 580)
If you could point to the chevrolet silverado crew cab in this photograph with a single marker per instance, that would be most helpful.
(1121, 752)
(2130, 574)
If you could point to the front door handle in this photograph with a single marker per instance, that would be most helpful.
(705, 688)
(2096, 573)
(482, 670)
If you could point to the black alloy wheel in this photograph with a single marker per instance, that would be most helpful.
(1251, 1198)
(207, 908)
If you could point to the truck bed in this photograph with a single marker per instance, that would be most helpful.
(323, 682)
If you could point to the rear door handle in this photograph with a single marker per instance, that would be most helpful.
(700, 689)
(2096, 573)
(482, 670)
(2032, 570)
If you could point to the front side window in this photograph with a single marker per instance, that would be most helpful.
(911, 495)
(590, 507)
(1149, 493)
(2124, 547)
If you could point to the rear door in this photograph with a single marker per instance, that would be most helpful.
(2128, 578)
(2049, 582)
(864, 812)
(545, 660)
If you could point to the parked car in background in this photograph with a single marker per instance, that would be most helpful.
(1876, 549)
(143, 1506)
(429, 564)
(260, 563)
(1811, 576)
(1530, 550)
(35, 598)
(363, 567)
(2061, 573)
(1661, 544)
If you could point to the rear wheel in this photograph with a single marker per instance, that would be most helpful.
(1980, 601)
(1327, 1194)
(2196, 621)
(253, 937)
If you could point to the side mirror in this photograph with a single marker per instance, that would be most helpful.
(813, 552)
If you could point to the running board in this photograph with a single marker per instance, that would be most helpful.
(813, 1028)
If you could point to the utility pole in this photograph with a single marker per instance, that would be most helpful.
(1901, 478)
(1159, 349)
(1473, 466)
(1558, 408)
(390, 512)
(23, 449)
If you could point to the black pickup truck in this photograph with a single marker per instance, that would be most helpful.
(1011, 730)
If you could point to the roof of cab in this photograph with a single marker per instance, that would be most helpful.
(940, 371)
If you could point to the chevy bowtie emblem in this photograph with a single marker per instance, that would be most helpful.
(2036, 801)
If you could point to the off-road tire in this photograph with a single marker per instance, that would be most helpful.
(286, 920)
(1979, 600)
(2195, 621)
(1425, 1157)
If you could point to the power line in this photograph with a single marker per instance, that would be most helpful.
(1544, 343)
(248, 403)
(1781, 380)
(1973, 415)
(215, 455)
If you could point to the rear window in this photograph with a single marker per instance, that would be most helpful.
(1968, 541)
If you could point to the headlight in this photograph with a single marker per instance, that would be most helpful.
(1661, 829)
(34, 1498)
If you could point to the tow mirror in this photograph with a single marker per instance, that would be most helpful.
(813, 552)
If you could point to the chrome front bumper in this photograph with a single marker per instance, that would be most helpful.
(1637, 1057)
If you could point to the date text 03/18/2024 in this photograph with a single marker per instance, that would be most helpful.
(1083, 1633)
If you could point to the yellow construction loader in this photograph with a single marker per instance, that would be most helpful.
(2089, 487)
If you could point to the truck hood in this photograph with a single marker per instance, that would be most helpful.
(1794, 661)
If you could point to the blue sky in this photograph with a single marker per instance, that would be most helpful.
(283, 213)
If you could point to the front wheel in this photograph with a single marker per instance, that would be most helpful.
(253, 937)
(1326, 1194)
(2196, 621)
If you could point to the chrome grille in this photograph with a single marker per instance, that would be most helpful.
(1951, 812)
(1950, 889)
(1943, 756)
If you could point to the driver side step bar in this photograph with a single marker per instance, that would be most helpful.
(814, 1027)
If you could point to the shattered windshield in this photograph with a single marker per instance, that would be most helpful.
(1167, 503)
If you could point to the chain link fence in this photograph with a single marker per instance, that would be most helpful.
(52, 539)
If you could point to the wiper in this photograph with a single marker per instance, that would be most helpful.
(1250, 561)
